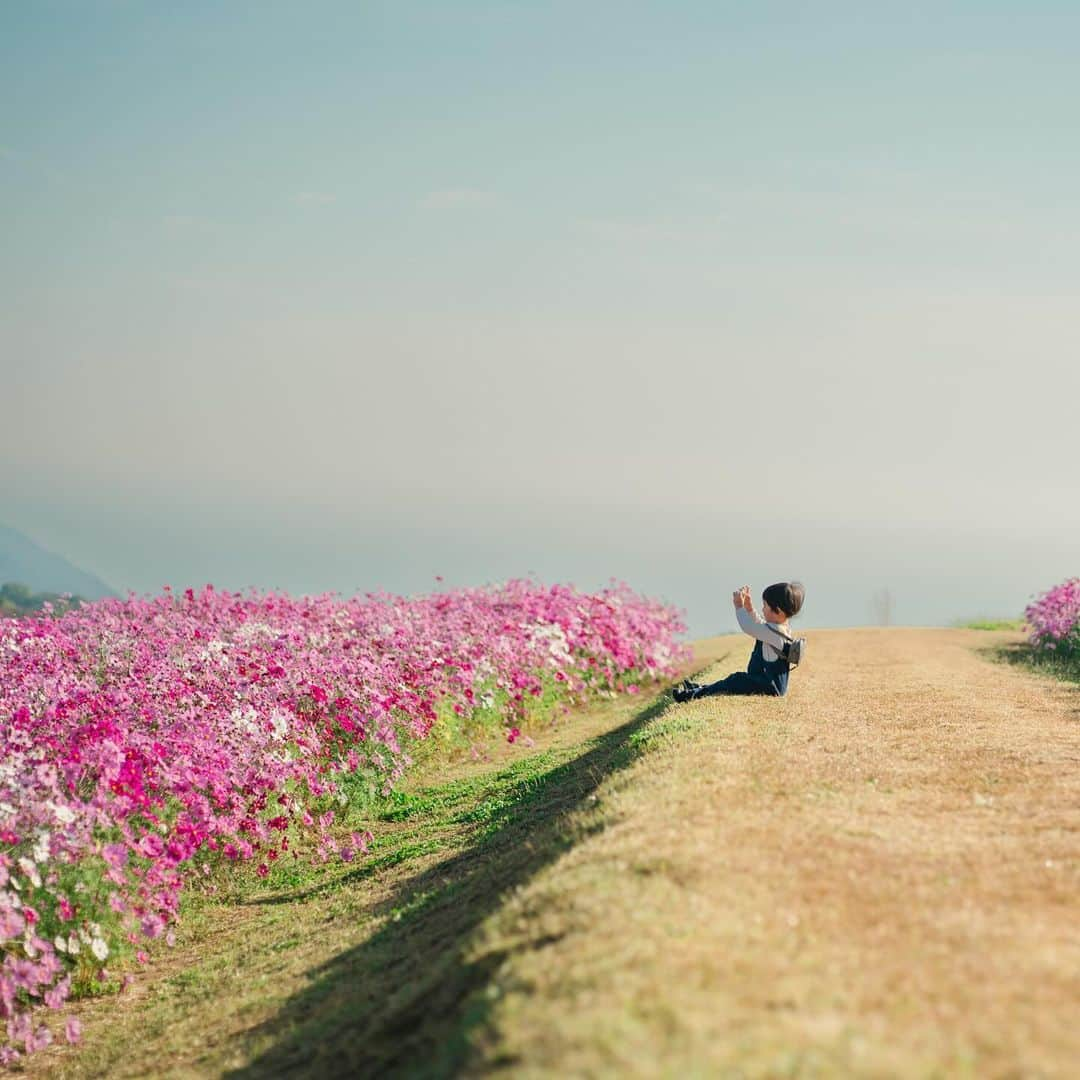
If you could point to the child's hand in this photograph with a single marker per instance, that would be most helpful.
(737, 597)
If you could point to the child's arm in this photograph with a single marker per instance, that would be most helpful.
(750, 622)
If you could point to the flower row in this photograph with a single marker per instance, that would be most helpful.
(1054, 617)
(136, 735)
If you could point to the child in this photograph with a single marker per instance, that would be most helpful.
(767, 672)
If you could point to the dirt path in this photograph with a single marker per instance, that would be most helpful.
(876, 876)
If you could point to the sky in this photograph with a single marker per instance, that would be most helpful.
(344, 296)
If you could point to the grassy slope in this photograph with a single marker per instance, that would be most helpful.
(991, 624)
(875, 876)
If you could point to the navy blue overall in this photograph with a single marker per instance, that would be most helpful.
(760, 677)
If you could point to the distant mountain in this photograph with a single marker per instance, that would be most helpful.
(22, 561)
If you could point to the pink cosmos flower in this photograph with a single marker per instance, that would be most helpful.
(151, 845)
(23, 974)
(41, 1038)
(116, 855)
(56, 995)
(201, 709)
(12, 924)
(152, 926)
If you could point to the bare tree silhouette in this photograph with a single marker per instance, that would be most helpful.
(883, 604)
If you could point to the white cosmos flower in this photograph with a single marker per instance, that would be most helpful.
(41, 848)
(280, 721)
(99, 949)
(64, 814)
(246, 719)
(29, 868)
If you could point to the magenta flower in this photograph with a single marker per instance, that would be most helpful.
(12, 924)
(204, 721)
(151, 846)
(56, 995)
(1054, 618)
(153, 926)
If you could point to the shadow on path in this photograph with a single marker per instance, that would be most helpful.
(404, 1001)
(1021, 655)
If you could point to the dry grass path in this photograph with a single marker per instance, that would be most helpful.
(876, 876)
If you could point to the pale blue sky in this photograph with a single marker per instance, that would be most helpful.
(347, 295)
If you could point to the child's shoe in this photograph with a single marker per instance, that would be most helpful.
(686, 691)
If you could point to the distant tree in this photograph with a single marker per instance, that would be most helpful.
(16, 594)
(883, 605)
(17, 599)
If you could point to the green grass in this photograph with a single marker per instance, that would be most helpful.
(404, 1001)
(389, 985)
(1063, 664)
(1060, 665)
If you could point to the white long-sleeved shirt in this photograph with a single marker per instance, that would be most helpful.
(772, 640)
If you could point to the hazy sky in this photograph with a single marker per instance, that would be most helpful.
(346, 295)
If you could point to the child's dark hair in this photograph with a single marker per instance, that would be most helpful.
(785, 596)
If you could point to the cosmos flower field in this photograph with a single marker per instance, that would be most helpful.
(147, 741)
(1053, 619)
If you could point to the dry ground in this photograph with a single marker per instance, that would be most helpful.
(876, 876)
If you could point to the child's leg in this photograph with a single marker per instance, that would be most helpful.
(738, 683)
